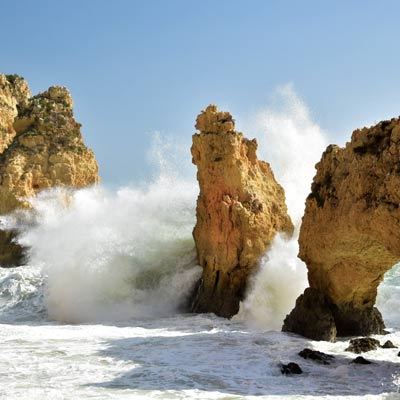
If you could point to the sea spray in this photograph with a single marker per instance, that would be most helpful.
(388, 298)
(292, 143)
(115, 255)
(110, 256)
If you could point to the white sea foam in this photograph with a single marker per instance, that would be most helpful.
(293, 144)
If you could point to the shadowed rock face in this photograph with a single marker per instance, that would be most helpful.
(239, 210)
(350, 233)
(41, 146)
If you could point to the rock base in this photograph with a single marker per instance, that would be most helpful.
(318, 319)
(220, 294)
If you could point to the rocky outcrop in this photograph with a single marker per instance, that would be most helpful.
(41, 146)
(350, 234)
(361, 345)
(239, 210)
(13, 91)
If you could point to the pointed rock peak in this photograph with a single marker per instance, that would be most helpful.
(211, 120)
(59, 94)
(15, 86)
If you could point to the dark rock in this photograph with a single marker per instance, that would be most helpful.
(317, 356)
(389, 345)
(291, 368)
(311, 317)
(361, 360)
(362, 345)
(315, 317)
(355, 322)
(11, 253)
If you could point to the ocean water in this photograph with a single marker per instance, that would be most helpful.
(176, 356)
(97, 313)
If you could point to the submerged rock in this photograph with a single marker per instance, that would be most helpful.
(41, 146)
(388, 345)
(350, 232)
(291, 368)
(240, 208)
(317, 356)
(361, 360)
(362, 345)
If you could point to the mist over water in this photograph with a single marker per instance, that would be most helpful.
(292, 143)
(114, 256)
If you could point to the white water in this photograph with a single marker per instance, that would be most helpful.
(96, 314)
(292, 144)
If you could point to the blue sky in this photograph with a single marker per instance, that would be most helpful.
(135, 67)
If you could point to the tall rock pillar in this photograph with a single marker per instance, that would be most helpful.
(240, 208)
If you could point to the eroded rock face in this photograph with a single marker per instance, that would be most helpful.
(41, 146)
(350, 233)
(13, 90)
(239, 210)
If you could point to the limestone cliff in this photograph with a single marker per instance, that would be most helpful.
(40, 147)
(350, 234)
(240, 208)
(13, 90)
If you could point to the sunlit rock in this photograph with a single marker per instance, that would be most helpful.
(239, 210)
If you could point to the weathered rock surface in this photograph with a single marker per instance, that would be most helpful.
(239, 210)
(41, 146)
(350, 233)
(362, 345)
(13, 90)
(312, 317)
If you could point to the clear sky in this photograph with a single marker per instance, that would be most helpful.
(135, 67)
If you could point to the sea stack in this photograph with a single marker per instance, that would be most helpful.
(350, 235)
(240, 209)
(41, 146)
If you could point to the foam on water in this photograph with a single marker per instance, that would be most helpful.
(181, 357)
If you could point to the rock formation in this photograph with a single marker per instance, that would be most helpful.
(350, 235)
(239, 210)
(40, 147)
(13, 90)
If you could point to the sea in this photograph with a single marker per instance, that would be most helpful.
(99, 311)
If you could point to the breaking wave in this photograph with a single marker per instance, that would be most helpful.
(100, 255)
(109, 256)
(292, 143)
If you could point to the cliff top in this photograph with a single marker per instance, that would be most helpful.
(211, 120)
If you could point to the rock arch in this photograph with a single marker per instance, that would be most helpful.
(350, 235)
